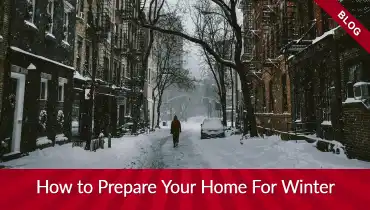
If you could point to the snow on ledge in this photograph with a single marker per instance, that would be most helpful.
(64, 42)
(50, 35)
(32, 25)
(351, 100)
(361, 83)
(41, 57)
(326, 122)
(290, 57)
(77, 75)
(330, 32)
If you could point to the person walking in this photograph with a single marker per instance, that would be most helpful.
(175, 131)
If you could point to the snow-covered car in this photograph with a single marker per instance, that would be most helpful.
(212, 128)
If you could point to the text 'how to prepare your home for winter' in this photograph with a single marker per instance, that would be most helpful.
(170, 187)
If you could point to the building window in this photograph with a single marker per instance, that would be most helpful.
(65, 25)
(88, 55)
(271, 97)
(43, 89)
(31, 8)
(61, 92)
(106, 69)
(263, 97)
(80, 7)
(328, 94)
(325, 21)
(285, 94)
(50, 13)
(149, 79)
(298, 106)
(123, 71)
(117, 73)
(117, 4)
(79, 54)
(355, 72)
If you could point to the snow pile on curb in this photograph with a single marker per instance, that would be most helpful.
(269, 152)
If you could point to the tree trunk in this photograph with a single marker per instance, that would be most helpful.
(232, 97)
(237, 102)
(223, 93)
(153, 108)
(223, 108)
(159, 109)
(250, 118)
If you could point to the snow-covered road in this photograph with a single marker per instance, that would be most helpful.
(156, 151)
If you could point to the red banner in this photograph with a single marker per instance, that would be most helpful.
(347, 21)
(184, 189)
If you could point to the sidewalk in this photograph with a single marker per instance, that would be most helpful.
(126, 152)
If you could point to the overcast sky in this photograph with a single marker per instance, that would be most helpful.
(191, 59)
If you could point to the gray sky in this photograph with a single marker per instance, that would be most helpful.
(193, 60)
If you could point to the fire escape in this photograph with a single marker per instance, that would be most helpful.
(105, 37)
(293, 33)
(251, 36)
(268, 27)
(130, 48)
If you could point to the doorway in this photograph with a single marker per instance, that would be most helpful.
(16, 101)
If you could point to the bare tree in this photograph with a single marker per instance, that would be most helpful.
(228, 10)
(167, 53)
(149, 13)
(217, 32)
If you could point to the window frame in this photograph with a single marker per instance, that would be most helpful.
(50, 6)
(45, 96)
(61, 96)
(33, 3)
(66, 25)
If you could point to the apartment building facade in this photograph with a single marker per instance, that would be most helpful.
(117, 62)
(266, 31)
(330, 80)
(315, 79)
(38, 74)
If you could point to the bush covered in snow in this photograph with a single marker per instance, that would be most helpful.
(43, 117)
(60, 120)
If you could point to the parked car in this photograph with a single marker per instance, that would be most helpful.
(212, 128)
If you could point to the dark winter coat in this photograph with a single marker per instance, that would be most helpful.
(175, 126)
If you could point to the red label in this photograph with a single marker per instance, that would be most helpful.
(347, 21)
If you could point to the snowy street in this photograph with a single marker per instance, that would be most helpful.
(156, 150)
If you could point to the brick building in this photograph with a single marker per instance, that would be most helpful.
(265, 23)
(4, 29)
(354, 64)
(330, 81)
(38, 74)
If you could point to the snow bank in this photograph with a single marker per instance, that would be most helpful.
(60, 137)
(270, 152)
(43, 140)
(126, 152)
